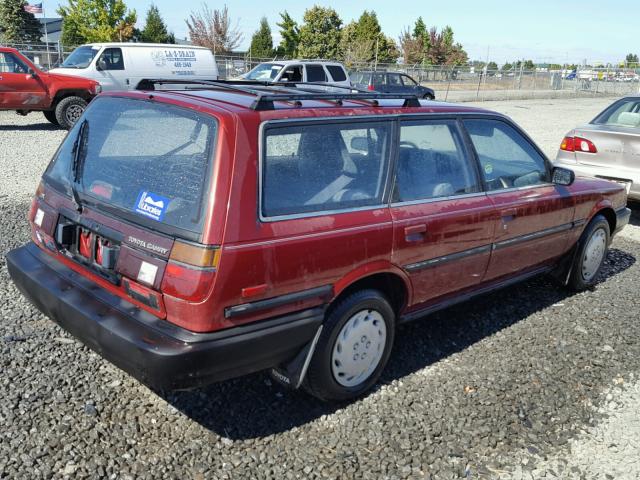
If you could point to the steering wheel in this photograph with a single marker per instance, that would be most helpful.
(409, 144)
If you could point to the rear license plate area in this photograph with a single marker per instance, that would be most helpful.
(89, 248)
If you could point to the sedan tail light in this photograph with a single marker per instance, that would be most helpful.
(578, 144)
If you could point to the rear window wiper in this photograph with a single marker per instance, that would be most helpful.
(79, 154)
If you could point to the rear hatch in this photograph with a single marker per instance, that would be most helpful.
(129, 198)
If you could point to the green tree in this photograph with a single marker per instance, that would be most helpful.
(631, 60)
(363, 40)
(86, 21)
(506, 67)
(155, 30)
(492, 66)
(16, 25)
(419, 29)
(262, 42)
(320, 33)
(529, 65)
(290, 34)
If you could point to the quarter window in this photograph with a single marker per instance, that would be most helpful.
(315, 168)
(112, 58)
(507, 159)
(432, 162)
(337, 73)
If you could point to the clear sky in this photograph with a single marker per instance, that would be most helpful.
(544, 30)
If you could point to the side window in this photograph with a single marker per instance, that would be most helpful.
(507, 159)
(112, 58)
(9, 63)
(337, 73)
(315, 168)
(394, 80)
(379, 79)
(292, 73)
(432, 162)
(408, 81)
(315, 73)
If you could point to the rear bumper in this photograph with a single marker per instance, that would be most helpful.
(623, 215)
(154, 351)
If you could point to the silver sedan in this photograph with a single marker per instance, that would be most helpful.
(607, 147)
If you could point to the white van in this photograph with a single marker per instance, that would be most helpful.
(121, 66)
(308, 71)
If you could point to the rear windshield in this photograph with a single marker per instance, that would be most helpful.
(150, 161)
(623, 113)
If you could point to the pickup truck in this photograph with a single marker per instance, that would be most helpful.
(25, 88)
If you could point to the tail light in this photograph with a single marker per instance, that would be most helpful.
(191, 271)
(34, 201)
(578, 144)
(370, 87)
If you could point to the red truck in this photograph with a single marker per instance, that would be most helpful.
(25, 88)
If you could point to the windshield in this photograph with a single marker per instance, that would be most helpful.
(81, 57)
(264, 72)
(149, 160)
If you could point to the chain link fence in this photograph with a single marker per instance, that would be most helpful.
(450, 83)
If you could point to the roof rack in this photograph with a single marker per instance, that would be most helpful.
(266, 93)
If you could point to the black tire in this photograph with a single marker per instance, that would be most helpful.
(582, 275)
(68, 111)
(51, 116)
(320, 380)
(428, 96)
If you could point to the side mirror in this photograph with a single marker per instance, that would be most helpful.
(562, 176)
(32, 73)
(101, 64)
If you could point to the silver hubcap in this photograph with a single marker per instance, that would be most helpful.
(593, 254)
(358, 348)
(73, 113)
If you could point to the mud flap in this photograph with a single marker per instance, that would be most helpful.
(292, 373)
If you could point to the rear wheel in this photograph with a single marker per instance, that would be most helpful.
(353, 348)
(590, 255)
(69, 110)
(51, 116)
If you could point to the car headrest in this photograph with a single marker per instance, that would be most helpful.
(629, 119)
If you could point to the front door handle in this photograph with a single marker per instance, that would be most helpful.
(415, 233)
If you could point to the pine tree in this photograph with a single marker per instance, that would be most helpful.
(17, 25)
(155, 30)
(262, 42)
(290, 34)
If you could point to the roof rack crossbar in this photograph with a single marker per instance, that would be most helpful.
(292, 93)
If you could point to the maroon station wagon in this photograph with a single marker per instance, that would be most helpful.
(191, 235)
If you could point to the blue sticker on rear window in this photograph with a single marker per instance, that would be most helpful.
(151, 205)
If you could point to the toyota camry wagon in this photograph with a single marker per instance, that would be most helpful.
(191, 235)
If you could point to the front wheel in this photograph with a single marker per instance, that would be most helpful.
(353, 348)
(69, 110)
(591, 253)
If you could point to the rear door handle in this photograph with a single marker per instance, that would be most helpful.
(509, 214)
(415, 233)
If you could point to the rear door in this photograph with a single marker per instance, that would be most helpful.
(534, 216)
(18, 88)
(394, 83)
(442, 222)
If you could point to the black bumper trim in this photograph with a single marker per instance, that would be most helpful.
(156, 352)
(623, 215)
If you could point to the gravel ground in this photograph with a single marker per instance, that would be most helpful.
(524, 383)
